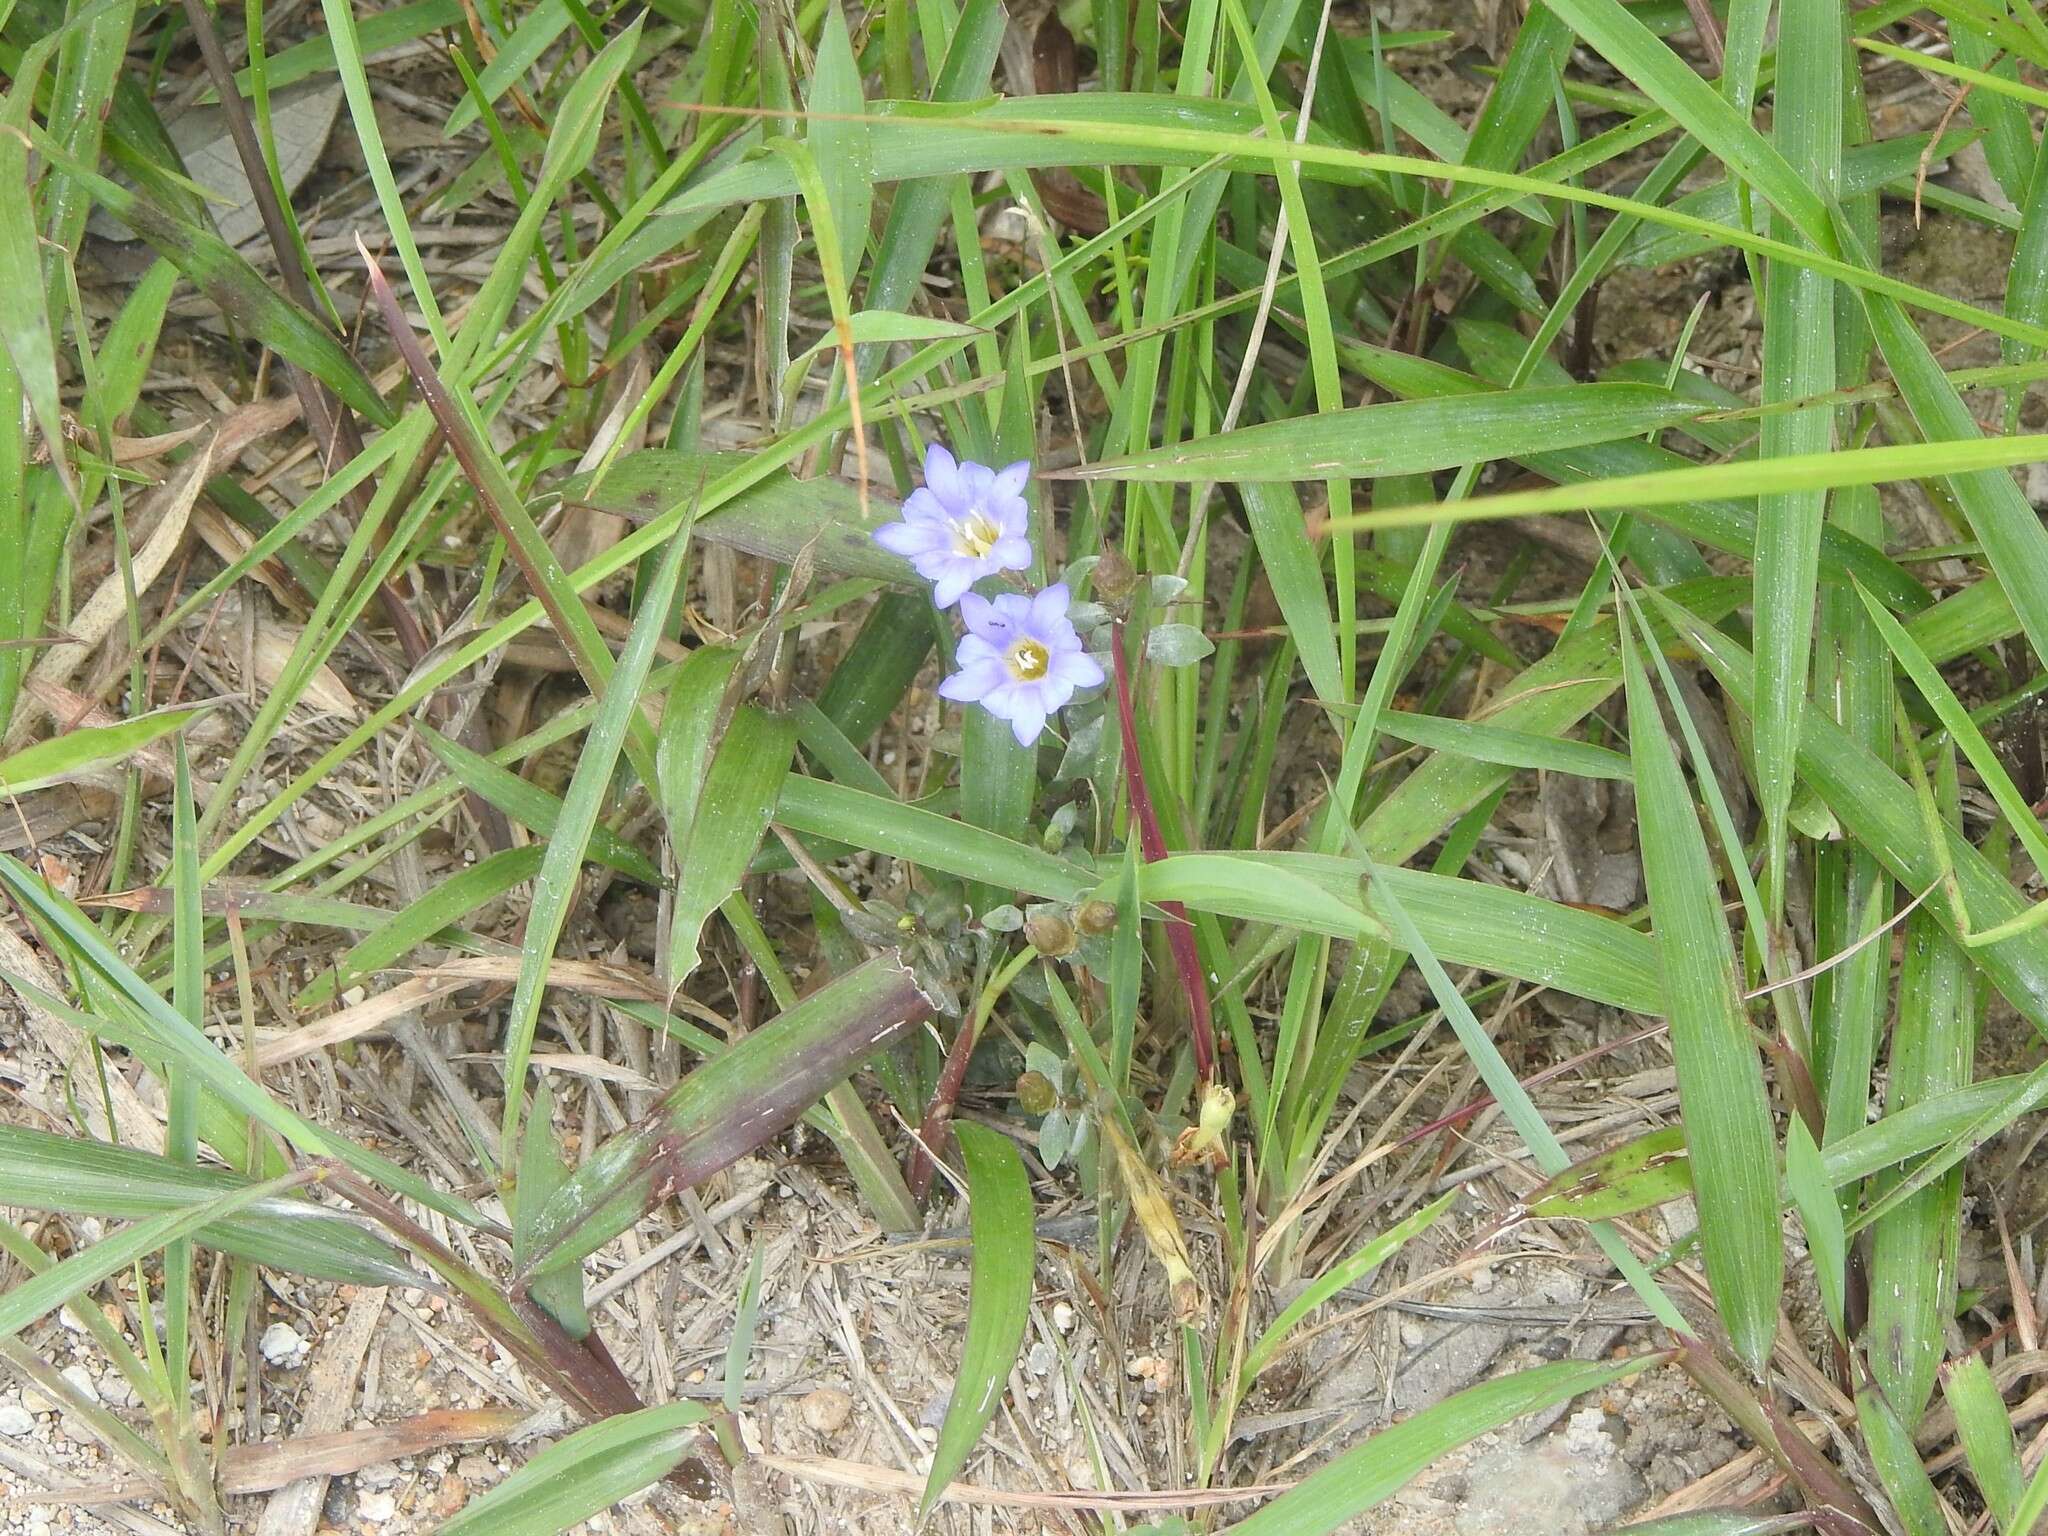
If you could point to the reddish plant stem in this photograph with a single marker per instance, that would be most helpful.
(1180, 933)
(938, 1114)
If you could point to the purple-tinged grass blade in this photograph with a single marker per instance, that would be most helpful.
(728, 1107)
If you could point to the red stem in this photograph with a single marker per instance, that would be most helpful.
(1180, 933)
(938, 1114)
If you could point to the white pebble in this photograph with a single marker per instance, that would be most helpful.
(1063, 1317)
(281, 1344)
(15, 1420)
(376, 1507)
(81, 1382)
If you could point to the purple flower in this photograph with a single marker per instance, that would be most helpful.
(965, 522)
(1020, 658)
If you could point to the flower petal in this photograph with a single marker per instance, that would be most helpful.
(1027, 716)
(951, 585)
(1013, 608)
(979, 615)
(910, 539)
(974, 683)
(1010, 478)
(1011, 554)
(1076, 669)
(942, 476)
(974, 650)
(1049, 608)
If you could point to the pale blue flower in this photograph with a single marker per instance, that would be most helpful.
(1020, 659)
(965, 522)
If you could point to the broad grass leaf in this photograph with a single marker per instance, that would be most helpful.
(998, 1297)
(41, 1171)
(1379, 1466)
(734, 799)
(1720, 1075)
(88, 748)
(585, 1473)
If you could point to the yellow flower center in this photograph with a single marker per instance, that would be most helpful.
(1028, 661)
(974, 535)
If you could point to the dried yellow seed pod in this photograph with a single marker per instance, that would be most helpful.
(1153, 1207)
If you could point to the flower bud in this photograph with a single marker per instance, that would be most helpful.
(1114, 580)
(1036, 1094)
(1050, 934)
(1096, 918)
(1206, 1140)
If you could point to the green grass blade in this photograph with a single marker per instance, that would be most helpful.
(1882, 813)
(88, 747)
(998, 1298)
(1897, 1463)
(745, 1320)
(1821, 1218)
(1495, 928)
(1985, 1428)
(735, 800)
(240, 291)
(1914, 1248)
(1368, 1256)
(555, 885)
(1961, 458)
(1720, 1077)
(25, 323)
(2018, 814)
(1722, 126)
(1294, 569)
(1504, 748)
(418, 922)
(886, 825)
(839, 139)
(1376, 1469)
(585, 1473)
(44, 1293)
(176, 1038)
(40, 1171)
(531, 806)
(1798, 363)
(728, 1106)
(1404, 437)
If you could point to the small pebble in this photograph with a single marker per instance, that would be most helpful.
(1063, 1317)
(81, 1382)
(826, 1410)
(379, 1474)
(376, 1507)
(15, 1420)
(281, 1344)
(1039, 1358)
